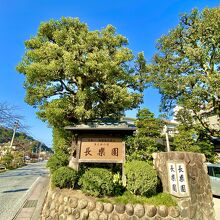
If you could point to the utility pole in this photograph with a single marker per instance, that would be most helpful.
(39, 152)
(167, 138)
(16, 126)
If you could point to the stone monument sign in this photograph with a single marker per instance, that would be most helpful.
(184, 175)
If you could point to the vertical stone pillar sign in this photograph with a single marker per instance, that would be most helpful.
(184, 175)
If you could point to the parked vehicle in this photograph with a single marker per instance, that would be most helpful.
(214, 174)
(2, 168)
(40, 159)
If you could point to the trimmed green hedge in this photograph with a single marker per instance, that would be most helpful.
(57, 160)
(141, 178)
(64, 177)
(97, 182)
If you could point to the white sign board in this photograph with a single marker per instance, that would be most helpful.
(177, 177)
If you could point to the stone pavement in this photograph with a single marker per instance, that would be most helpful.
(32, 207)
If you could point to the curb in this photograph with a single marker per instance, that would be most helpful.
(37, 192)
(27, 194)
(38, 209)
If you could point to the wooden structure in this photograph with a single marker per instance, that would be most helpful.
(99, 143)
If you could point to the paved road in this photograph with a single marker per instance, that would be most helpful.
(15, 186)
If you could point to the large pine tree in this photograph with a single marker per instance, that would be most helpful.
(73, 74)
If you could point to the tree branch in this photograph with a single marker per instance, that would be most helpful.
(66, 87)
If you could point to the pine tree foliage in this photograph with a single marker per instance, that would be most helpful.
(146, 140)
(73, 74)
(186, 67)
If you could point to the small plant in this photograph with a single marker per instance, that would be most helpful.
(118, 184)
(64, 177)
(141, 178)
(97, 182)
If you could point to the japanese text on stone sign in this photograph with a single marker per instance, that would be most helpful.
(177, 177)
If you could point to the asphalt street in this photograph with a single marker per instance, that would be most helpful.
(15, 186)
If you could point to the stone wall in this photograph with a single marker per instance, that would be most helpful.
(199, 205)
(60, 206)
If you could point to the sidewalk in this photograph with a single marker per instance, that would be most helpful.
(216, 201)
(32, 207)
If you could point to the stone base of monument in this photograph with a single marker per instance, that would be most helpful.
(71, 205)
(186, 171)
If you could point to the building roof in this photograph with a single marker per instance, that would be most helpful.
(103, 127)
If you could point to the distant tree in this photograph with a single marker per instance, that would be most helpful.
(8, 115)
(146, 140)
(26, 146)
(194, 139)
(73, 74)
(18, 159)
(191, 136)
(7, 160)
(186, 67)
(25, 143)
(5, 134)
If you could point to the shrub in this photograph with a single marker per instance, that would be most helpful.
(64, 177)
(57, 160)
(97, 182)
(141, 178)
(118, 184)
(7, 160)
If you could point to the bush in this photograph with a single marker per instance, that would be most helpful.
(118, 184)
(64, 177)
(141, 178)
(7, 160)
(97, 182)
(57, 160)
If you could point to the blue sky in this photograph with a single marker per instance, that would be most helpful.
(141, 21)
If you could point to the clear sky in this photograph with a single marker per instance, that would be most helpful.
(141, 21)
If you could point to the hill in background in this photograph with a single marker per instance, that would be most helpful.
(22, 140)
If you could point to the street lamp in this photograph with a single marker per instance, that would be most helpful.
(16, 126)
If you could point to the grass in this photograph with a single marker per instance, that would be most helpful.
(105, 200)
(159, 199)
